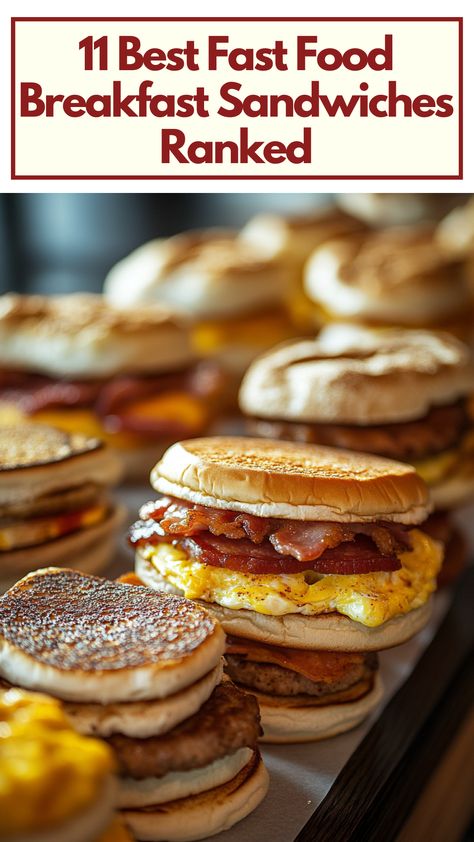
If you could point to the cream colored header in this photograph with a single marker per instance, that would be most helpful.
(236, 99)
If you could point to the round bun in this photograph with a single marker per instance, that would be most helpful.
(397, 375)
(293, 238)
(145, 792)
(331, 632)
(37, 460)
(395, 276)
(381, 209)
(456, 232)
(306, 724)
(143, 719)
(288, 480)
(198, 274)
(87, 639)
(206, 814)
(82, 335)
(89, 550)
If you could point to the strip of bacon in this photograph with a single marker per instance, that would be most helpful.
(358, 556)
(303, 540)
(35, 392)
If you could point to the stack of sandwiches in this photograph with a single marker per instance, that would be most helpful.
(401, 394)
(143, 671)
(231, 292)
(312, 558)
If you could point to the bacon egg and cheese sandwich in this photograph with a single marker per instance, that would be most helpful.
(312, 558)
(143, 671)
(397, 276)
(130, 378)
(55, 785)
(401, 394)
(54, 500)
(230, 291)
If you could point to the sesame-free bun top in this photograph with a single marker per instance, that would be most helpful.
(352, 375)
(198, 274)
(293, 238)
(395, 276)
(282, 479)
(381, 209)
(88, 639)
(83, 335)
(37, 460)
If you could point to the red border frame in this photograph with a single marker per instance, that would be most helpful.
(15, 177)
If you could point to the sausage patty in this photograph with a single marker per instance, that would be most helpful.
(440, 430)
(229, 720)
(273, 679)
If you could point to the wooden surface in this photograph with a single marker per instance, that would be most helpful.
(400, 777)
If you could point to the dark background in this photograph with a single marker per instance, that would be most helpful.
(61, 242)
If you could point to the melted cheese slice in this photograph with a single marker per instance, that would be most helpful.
(39, 530)
(367, 598)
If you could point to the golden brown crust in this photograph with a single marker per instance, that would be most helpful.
(35, 445)
(397, 375)
(67, 314)
(69, 621)
(285, 479)
(83, 336)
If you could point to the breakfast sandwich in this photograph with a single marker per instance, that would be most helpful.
(55, 785)
(385, 209)
(401, 394)
(54, 501)
(312, 558)
(398, 276)
(131, 378)
(142, 671)
(230, 291)
(290, 240)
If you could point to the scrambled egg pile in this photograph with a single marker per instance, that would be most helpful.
(47, 771)
(367, 598)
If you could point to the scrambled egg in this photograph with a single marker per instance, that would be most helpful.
(436, 468)
(47, 771)
(368, 598)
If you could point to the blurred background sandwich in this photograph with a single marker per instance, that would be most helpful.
(128, 377)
